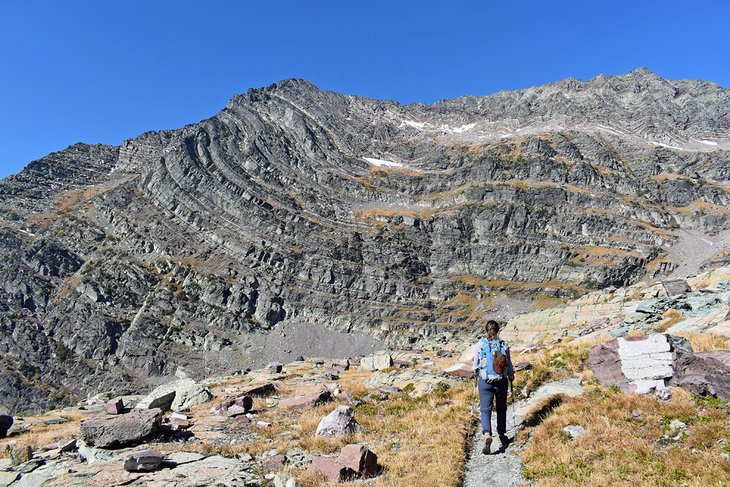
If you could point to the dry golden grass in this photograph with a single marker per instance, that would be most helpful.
(706, 342)
(671, 318)
(75, 197)
(40, 435)
(552, 364)
(621, 449)
(429, 431)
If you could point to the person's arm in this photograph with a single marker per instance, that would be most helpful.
(475, 362)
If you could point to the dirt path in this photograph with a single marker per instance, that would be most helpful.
(502, 467)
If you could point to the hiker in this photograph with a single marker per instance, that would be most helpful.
(493, 367)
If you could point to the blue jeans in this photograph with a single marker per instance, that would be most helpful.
(488, 393)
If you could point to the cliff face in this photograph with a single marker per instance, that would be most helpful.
(185, 247)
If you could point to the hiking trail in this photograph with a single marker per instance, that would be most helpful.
(501, 467)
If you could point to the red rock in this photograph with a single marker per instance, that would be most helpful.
(359, 459)
(311, 400)
(460, 370)
(234, 406)
(114, 406)
(273, 463)
(333, 470)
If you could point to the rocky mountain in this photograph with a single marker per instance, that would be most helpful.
(199, 248)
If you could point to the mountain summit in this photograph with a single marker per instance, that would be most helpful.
(194, 248)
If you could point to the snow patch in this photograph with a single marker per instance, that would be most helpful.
(382, 162)
(708, 142)
(666, 145)
(416, 125)
(458, 130)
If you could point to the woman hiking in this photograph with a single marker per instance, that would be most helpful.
(493, 367)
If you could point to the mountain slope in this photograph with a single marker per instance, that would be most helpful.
(409, 223)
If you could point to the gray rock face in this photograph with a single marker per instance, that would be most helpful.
(119, 430)
(184, 248)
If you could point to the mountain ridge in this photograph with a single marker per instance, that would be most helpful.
(185, 247)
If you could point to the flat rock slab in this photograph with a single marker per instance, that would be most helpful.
(310, 400)
(461, 370)
(112, 431)
(515, 417)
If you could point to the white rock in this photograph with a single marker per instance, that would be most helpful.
(378, 361)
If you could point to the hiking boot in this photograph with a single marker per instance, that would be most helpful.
(487, 445)
(503, 440)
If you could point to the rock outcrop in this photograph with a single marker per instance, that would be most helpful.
(650, 363)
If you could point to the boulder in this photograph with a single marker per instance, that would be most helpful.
(360, 459)
(339, 365)
(67, 445)
(574, 431)
(176, 395)
(310, 400)
(273, 463)
(275, 367)
(143, 461)
(460, 370)
(676, 287)
(340, 422)
(638, 364)
(234, 406)
(262, 390)
(520, 366)
(124, 429)
(5, 423)
(378, 361)
(114, 406)
(704, 373)
(21, 454)
(333, 470)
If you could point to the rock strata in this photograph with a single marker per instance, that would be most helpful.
(365, 223)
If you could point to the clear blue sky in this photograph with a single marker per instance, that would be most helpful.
(102, 71)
